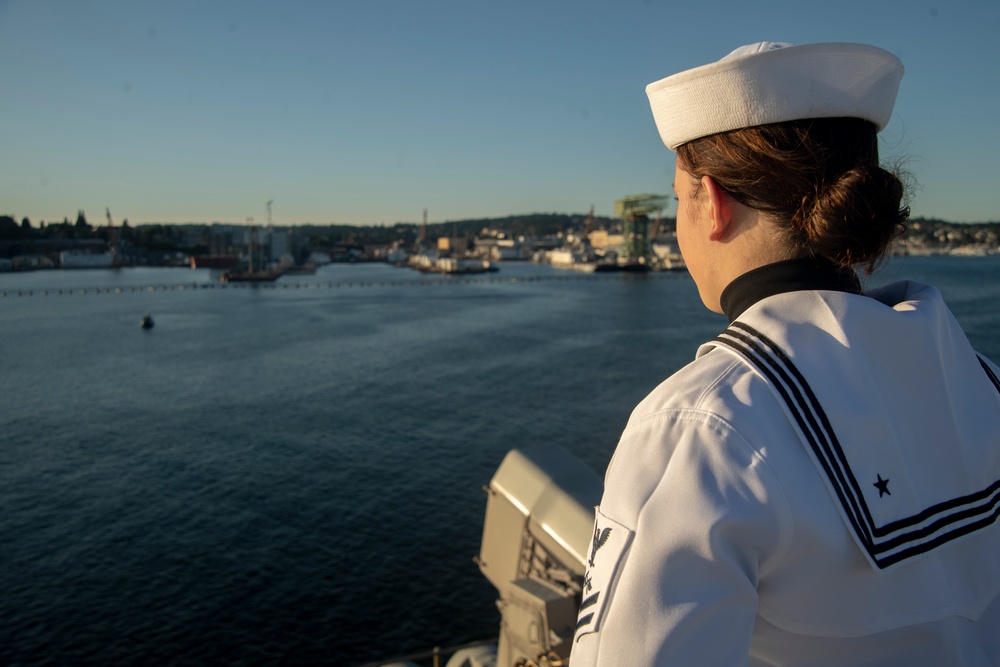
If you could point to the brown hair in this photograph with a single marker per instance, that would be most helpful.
(821, 178)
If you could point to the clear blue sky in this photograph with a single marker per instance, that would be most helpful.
(370, 111)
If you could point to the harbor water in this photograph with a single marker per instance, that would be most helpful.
(292, 473)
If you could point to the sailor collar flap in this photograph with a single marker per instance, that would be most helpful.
(896, 410)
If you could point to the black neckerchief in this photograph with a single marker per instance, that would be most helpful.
(791, 275)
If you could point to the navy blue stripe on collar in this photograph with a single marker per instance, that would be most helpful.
(885, 544)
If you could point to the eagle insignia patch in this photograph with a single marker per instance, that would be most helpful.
(608, 544)
(600, 537)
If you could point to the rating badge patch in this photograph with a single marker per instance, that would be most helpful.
(608, 544)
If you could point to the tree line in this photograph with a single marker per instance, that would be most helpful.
(166, 236)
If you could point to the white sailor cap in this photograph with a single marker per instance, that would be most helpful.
(773, 82)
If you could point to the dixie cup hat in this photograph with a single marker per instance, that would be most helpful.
(774, 82)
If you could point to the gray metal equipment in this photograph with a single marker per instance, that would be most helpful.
(539, 519)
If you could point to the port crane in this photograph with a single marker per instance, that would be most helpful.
(634, 212)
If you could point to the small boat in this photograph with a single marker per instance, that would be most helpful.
(265, 276)
(462, 265)
(146, 322)
(307, 269)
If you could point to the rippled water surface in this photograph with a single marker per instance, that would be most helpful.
(292, 474)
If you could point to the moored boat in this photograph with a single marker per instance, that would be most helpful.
(263, 276)
(214, 261)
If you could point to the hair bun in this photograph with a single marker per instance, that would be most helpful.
(855, 219)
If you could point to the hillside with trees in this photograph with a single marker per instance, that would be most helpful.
(165, 243)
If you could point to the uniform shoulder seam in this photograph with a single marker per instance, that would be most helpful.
(719, 425)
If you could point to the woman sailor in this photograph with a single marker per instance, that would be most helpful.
(820, 486)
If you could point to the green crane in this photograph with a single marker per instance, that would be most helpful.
(634, 212)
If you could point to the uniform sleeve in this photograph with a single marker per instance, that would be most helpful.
(690, 519)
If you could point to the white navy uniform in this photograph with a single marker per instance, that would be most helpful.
(820, 486)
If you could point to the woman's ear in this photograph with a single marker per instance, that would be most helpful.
(720, 210)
